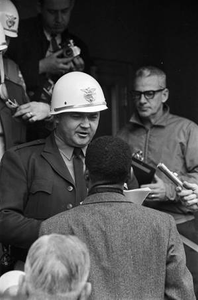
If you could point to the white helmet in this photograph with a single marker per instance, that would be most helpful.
(9, 18)
(3, 44)
(10, 280)
(77, 92)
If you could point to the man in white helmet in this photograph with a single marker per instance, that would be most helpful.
(37, 179)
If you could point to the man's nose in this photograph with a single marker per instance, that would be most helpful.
(142, 99)
(58, 16)
(85, 122)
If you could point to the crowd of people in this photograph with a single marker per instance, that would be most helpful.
(66, 227)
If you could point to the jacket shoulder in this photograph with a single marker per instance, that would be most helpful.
(181, 119)
(31, 144)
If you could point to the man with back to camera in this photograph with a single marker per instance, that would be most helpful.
(38, 179)
(136, 252)
(164, 137)
(40, 53)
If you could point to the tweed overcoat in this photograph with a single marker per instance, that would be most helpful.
(136, 252)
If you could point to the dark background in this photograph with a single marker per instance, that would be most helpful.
(123, 35)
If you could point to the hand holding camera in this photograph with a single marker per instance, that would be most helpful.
(73, 52)
(62, 61)
(70, 50)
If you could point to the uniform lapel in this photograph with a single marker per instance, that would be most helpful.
(52, 155)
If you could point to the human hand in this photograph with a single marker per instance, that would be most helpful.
(54, 64)
(158, 189)
(189, 195)
(33, 111)
(77, 64)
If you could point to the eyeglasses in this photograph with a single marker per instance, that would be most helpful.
(148, 95)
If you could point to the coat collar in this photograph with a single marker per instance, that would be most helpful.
(102, 188)
(105, 197)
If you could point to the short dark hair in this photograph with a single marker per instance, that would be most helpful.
(108, 159)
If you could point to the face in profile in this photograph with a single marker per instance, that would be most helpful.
(56, 15)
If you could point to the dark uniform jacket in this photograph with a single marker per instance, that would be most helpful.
(35, 184)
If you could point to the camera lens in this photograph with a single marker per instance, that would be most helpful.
(68, 52)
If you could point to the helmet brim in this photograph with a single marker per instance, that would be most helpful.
(10, 33)
(90, 109)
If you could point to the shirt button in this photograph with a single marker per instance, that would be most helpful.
(69, 206)
(70, 188)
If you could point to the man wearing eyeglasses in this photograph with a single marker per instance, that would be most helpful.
(163, 137)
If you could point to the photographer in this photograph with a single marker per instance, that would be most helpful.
(41, 56)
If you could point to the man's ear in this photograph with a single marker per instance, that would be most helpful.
(86, 291)
(165, 94)
(57, 119)
(131, 174)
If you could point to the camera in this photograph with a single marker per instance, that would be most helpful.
(144, 173)
(70, 50)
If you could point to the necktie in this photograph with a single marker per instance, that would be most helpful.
(81, 190)
(54, 44)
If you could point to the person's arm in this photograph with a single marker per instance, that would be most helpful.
(15, 228)
(189, 195)
(179, 282)
(191, 155)
(186, 159)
